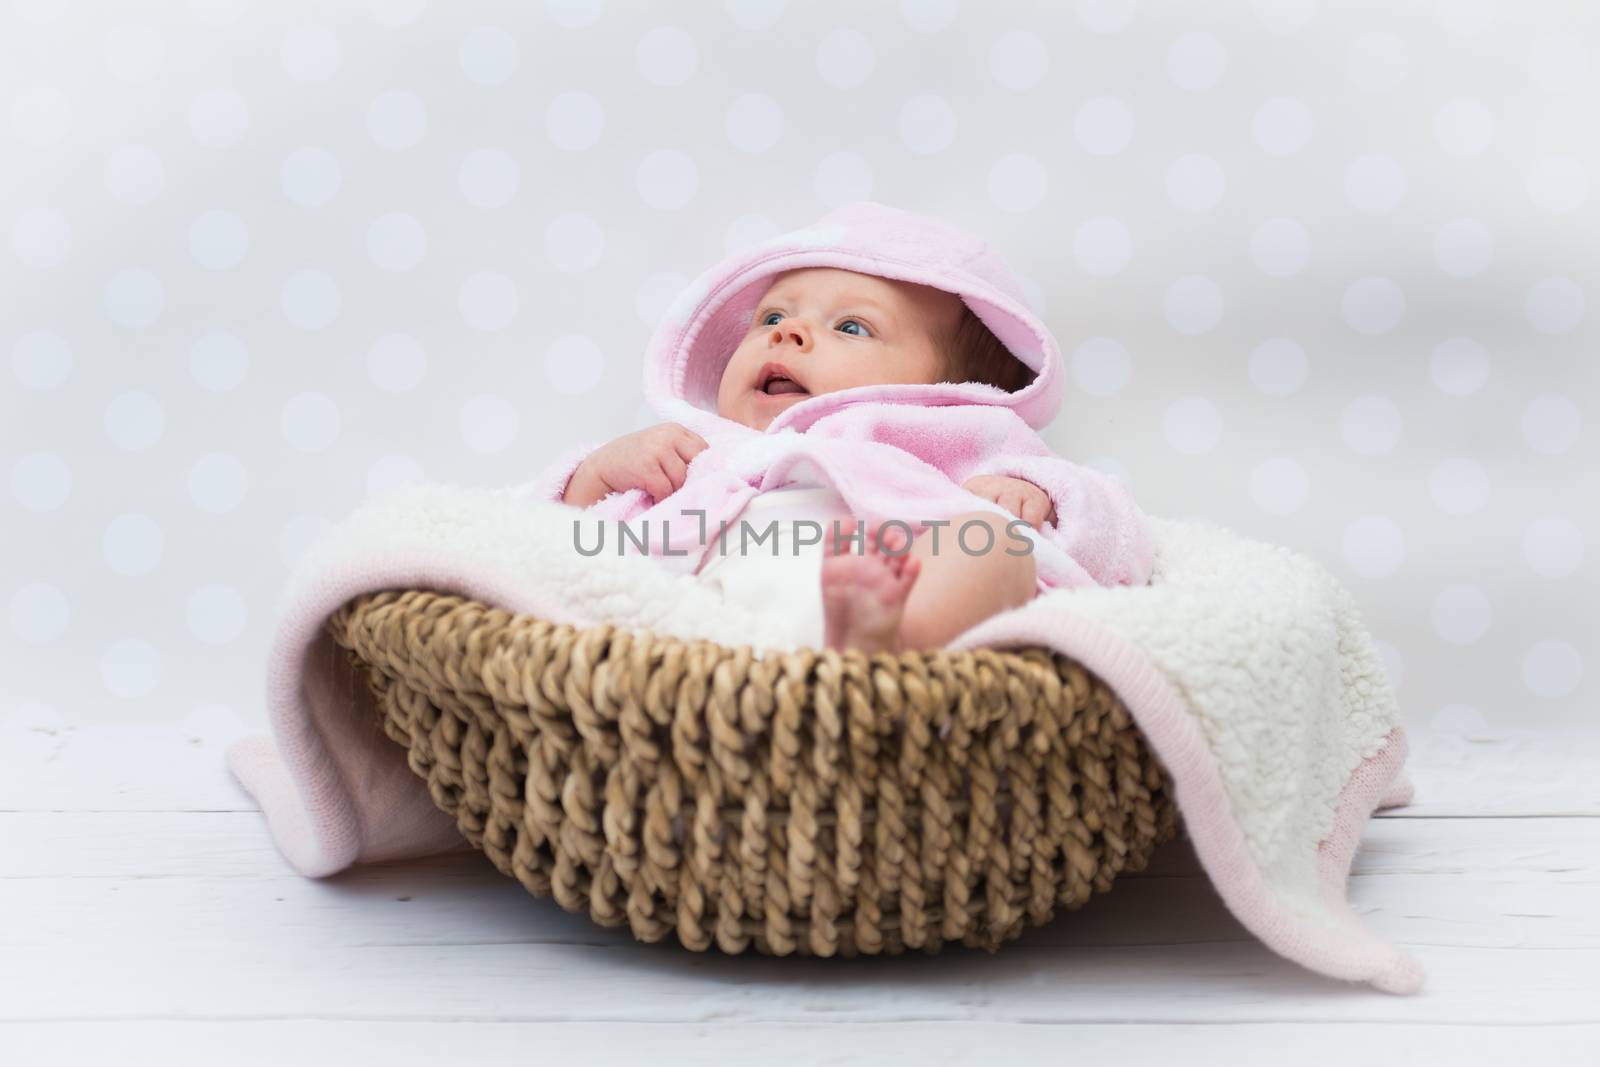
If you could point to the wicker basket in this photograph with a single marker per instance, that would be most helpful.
(812, 802)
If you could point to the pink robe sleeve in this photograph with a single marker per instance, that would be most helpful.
(1097, 522)
(552, 481)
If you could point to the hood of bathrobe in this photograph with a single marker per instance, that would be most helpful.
(705, 324)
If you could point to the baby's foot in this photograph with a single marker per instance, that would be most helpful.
(864, 593)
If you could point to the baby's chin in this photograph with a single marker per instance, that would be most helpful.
(757, 409)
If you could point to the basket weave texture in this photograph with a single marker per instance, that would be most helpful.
(814, 802)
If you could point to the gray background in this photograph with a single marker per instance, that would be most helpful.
(1322, 273)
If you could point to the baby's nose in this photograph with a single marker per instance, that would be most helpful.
(783, 331)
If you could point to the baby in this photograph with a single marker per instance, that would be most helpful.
(878, 364)
(817, 330)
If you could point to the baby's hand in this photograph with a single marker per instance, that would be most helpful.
(1023, 499)
(655, 459)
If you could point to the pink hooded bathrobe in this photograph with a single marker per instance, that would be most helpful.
(893, 452)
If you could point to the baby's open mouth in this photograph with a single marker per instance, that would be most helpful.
(775, 380)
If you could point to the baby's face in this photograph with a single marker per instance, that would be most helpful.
(825, 329)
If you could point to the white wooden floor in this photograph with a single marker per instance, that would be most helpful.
(145, 918)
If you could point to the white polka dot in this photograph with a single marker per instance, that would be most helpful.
(1017, 182)
(216, 614)
(134, 298)
(310, 422)
(1554, 305)
(926, 16)
(130, 668)
(133, 544)
(1459, 366)
(40, 114)
(667, 179)
(310, 299)
(1195, 183)
(1370, 425)
(1284, 16)
(1192, 425)
(41, 481)
(218, 118)
(1279, 486)
(1550, 424)
(574, 120)
(1193, 304)
(573, 242)
(1102, 246)
(1278, 366)
(753, 122)
(41, 360)
(298, 535)
(1280, 247)
(1018, 59)
(1282, 126)
(1374, 183)
(488, 178)
(1459, 485)
(396, 14)
(1465, 16)
(656, 294)
(310, 53)
(488, 55)
(310, 177)
(1101, 366)
(218, 240)
(396, 241)
(133, 51)
(391, 472)
(1558, 184)
(134, 420)
(134, 174)
(843, 178)
(41, 238)
(396, 119)
(1376, 62)
(487, 423)
(1553, 546)
(1107, 16)
(845, 58)
(666, 56)
(927, 124)
(574, 364)
(396, 363)
(1559, 62)
(1552, 669)
(1463, 127)
(218, 361)
(1463, 247)
(39, 613)
(1461, 614)
(574, 13)
(1373, 305)
(488, 301)
(1374, 546)
(217, 483)
(1196, 61)
(1103, 126)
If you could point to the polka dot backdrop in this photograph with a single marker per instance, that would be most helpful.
(1322, 273)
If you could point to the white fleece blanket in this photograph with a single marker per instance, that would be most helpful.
(1245, 664)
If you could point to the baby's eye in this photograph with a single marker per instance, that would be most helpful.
(865, 333)
(768, 316)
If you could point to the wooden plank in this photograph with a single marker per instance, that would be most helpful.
(270, 972)
(274, 1042)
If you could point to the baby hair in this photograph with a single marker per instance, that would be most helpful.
(972, 353)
